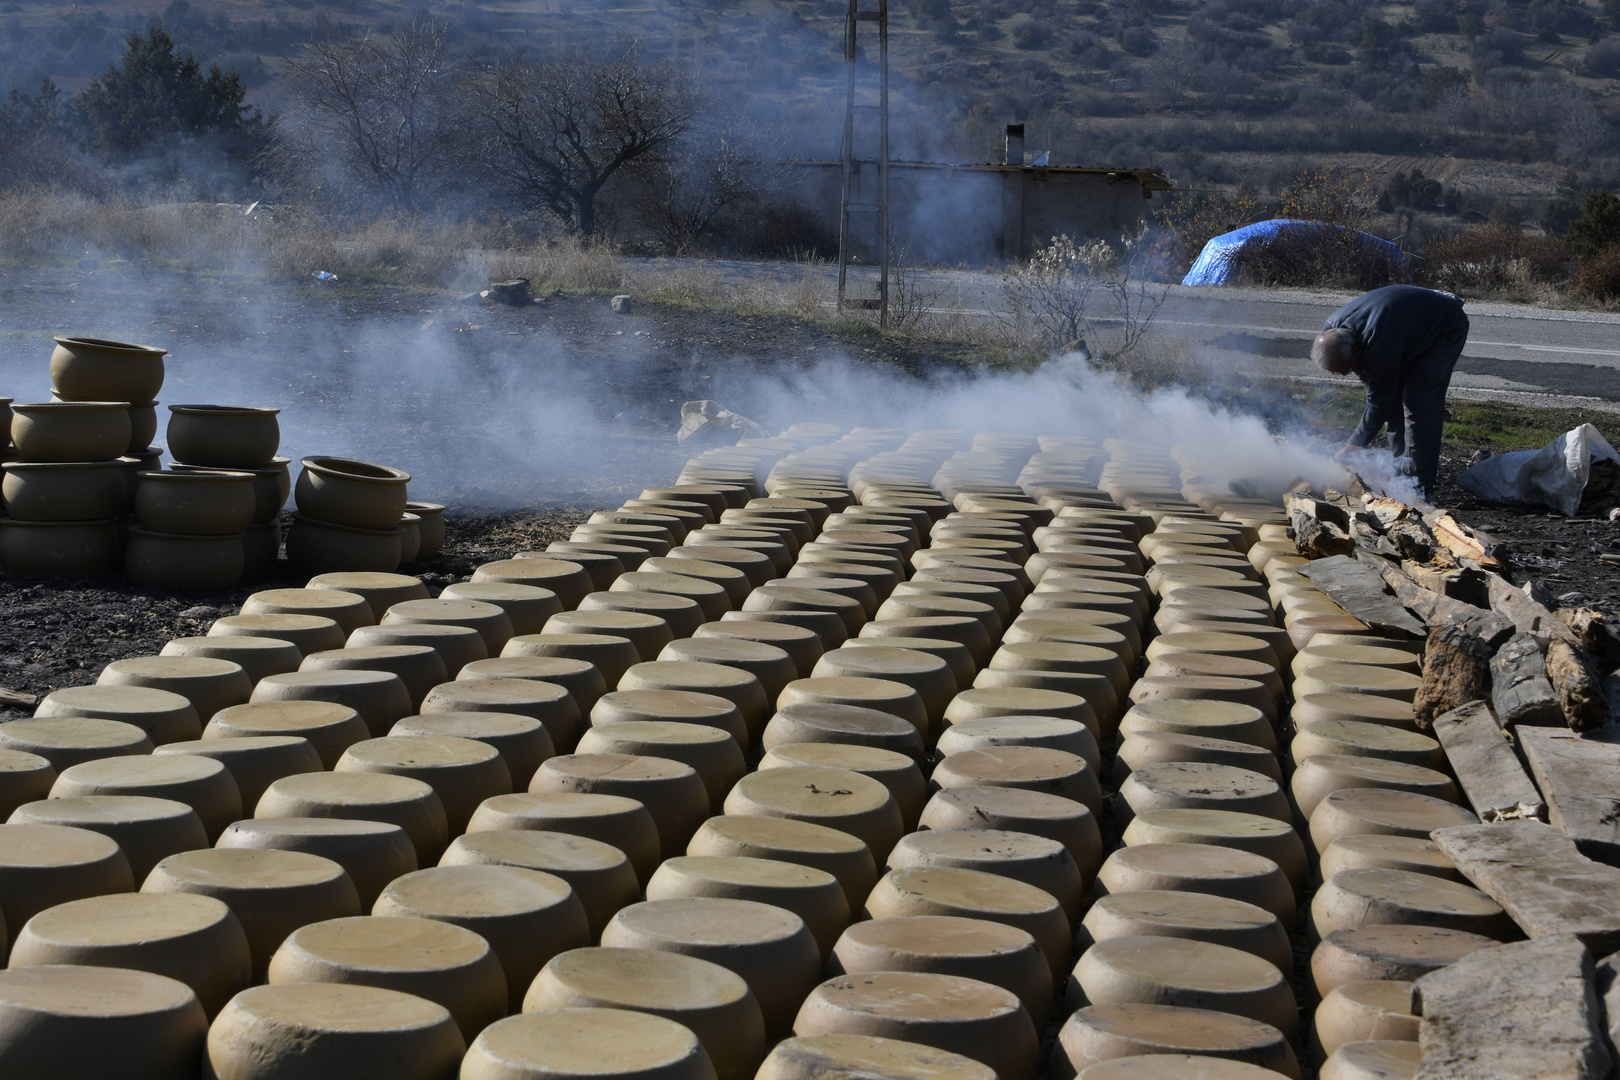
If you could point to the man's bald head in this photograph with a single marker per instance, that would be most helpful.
(1335, 351)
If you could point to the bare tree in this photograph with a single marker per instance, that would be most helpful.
(381, 104)
(555, 130)
(693, 192)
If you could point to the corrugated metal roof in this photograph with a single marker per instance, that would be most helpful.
(1150, 179)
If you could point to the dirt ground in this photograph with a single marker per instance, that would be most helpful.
(55, 634)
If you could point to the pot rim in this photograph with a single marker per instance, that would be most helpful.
(24, 466)
(224, 410)
(418, 507)
(16, 522)
(221, 475)
(69, 341)
(332, 466)
(137, 530)
(58, 399)
(379, 533)
(278, 466)
(71, 406)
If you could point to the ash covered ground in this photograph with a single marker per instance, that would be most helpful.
(532, 418)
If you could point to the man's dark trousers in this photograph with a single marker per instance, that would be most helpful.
(1423, 395)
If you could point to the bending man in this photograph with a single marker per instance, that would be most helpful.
(1402, 342)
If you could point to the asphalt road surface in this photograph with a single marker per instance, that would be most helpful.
(1528, 355)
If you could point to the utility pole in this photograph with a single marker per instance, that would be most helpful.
(876, 212)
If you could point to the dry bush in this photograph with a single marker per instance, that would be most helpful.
(1492, 258)
(1315, 255)
(1599, 277)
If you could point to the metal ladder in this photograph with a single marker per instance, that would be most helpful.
(880, 208)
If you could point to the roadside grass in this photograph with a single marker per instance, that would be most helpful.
(1470, 425)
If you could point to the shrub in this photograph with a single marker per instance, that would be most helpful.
(1317, 255)
(1598, 227)
(1491, 258)
(1599, 276)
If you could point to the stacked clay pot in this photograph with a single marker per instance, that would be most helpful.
(66, 486)
(352, 517)
(237, 439)
(189, 527)
(805, 764)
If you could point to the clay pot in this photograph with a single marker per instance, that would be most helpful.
(149, 459)
(94, 369)
(410, 537)
(142, 422)
(322, 547)
(224, 436)
(341, 491)
(63, 490)
(62, 549)
(261, 546)
(271, 486)
(195, 504)
(70, 430)
(159, 560)
(431, 528)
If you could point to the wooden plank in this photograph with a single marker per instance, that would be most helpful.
(1579, 777)
(1485, 765)
(1359, 589)
(1524, 1011)
(1520, 690)
(1541, 881)
(16, 699)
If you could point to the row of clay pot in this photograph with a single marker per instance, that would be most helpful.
(726, 926)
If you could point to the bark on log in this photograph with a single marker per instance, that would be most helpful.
(1524, 1011)
(1540, 879)
(1528, 615)
(1520, 690)
(1461, 541)
(1436, 610)
(1456, 670)
(1579, 685)
(1485, 765)
(1579, 777)
(1320, 528)
(1359, 589)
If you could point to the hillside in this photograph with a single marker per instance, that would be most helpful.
(1496, 100)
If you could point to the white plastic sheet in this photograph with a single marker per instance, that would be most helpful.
(1554, 476)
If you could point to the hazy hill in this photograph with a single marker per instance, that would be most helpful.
(1494, 98)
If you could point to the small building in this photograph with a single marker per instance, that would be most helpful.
(978, 214)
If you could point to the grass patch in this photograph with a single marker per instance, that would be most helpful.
(1470, 424)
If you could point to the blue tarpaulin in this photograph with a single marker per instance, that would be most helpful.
(1215, 265)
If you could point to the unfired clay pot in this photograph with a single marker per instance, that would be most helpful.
(320, 547)
(70, 430)
(431, 528)
(136, 462)
(65, 549)
(410, 537)
(142, 421)
(224, 436)
(261, 546)
(95, 369)
(271, 486)
(341, 491)
(182, 561)
(195, 504)
(63, 490)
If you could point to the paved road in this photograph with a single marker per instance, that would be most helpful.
(1515, 352)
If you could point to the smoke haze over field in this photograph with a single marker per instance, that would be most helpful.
(485, 411)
